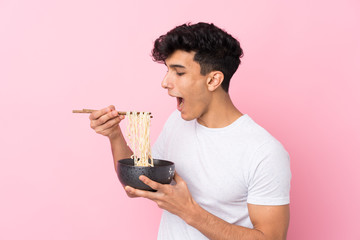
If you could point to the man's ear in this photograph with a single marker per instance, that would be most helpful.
(214, 80)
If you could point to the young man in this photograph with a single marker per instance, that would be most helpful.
(232, 177)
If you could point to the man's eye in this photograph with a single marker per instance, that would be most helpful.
(180, 74)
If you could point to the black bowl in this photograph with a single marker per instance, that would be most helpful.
(128, 174)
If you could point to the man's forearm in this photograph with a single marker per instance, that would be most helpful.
(217, 229)
(119, 148)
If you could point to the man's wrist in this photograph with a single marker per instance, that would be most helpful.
(115, 135)
(194, 214)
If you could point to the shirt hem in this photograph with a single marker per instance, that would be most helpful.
(269, 201)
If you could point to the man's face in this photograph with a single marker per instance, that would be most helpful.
(184, 81)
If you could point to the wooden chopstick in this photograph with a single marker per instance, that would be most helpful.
(92, 110)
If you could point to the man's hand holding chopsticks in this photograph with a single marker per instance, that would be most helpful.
(106, 122)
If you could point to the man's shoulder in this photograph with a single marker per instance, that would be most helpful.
(256, 135)
(251, 130)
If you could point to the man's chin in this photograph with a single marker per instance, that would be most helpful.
(186, 117)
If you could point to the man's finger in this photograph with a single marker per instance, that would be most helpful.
(130, 195)
(140, 193)
(109, 125)
(96, 114)
(154, 185)
(177, 178)
(101, 121)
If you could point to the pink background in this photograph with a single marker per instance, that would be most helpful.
(299, 79)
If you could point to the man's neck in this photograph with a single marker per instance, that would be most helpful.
(221, 111)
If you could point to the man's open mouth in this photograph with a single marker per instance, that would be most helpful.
(180, 102)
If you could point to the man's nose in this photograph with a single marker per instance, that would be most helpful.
(166, 82)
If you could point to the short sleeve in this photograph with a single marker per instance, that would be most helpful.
(270, 175)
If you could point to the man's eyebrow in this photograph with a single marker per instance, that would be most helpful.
(177, 66)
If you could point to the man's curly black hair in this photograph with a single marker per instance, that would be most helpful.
(215, 50)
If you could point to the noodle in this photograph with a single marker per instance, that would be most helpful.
(138, 131)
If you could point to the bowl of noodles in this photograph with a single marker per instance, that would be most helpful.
(128, 173)
(141, 161)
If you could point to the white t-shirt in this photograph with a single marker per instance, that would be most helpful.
(224, 168)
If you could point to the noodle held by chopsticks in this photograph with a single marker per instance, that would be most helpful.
(138, 131)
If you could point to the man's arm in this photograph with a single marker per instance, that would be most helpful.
(119, 148)
(270, 222)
